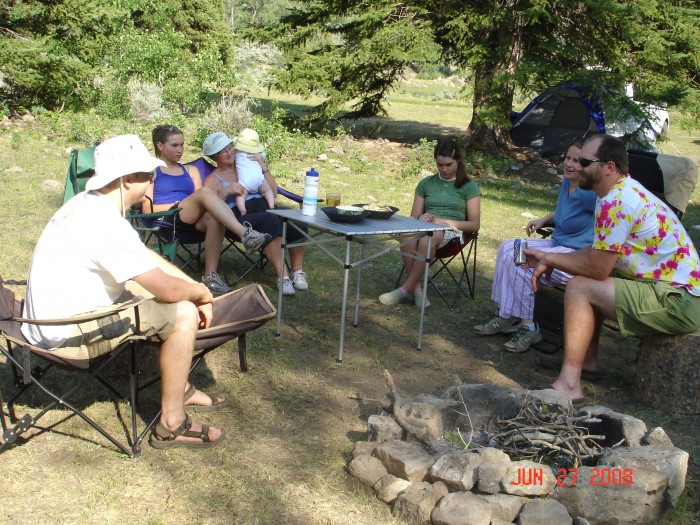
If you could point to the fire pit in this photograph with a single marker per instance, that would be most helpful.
(480, 454)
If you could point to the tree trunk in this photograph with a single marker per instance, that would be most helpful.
(494, 88)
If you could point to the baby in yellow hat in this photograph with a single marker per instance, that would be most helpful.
(250, 174)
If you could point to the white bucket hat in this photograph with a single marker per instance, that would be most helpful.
(248, 141)
(120, 156)
(215, 142)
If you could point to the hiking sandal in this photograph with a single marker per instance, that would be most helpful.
(215, 403)
(163, 438)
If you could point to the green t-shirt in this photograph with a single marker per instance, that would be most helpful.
(445, 201)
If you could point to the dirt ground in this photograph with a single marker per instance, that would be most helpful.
(296, 414)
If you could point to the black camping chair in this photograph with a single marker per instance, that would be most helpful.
(234, 315)
(462, 250)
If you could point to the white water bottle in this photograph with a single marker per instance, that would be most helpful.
(308, 206)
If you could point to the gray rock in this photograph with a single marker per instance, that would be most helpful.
(581, 521)
(657, 436)
(544, 512)
(458, 469)
(618, 504)
(461, 508)
(503, 506)
(322, 157)
(383, 428)
(496, 521)
(51, 186)
(416, 503)
(421, 420)
(364, 448)
(548, 396)
(14, 169)
(519, 478)
(337, 151)
(389, 487)
(615, 426)
(405, 460)
(671, 461)
(449, 409)
(482, 403)
(367, 469)
(489, 476)
(343, 169)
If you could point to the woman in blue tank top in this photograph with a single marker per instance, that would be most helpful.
(200, 208)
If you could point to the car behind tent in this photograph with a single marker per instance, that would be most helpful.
(567, 111)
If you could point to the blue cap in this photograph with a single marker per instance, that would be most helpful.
(312, 173)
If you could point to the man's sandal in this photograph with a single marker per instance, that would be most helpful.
(215, 403)
(163, 438)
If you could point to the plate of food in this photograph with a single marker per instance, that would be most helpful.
(378, 211)
(349, 214)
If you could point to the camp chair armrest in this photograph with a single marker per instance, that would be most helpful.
(153, 215)
(87, 316)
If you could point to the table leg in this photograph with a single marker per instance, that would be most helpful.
(425, 291)
(281, 276)
(357, 288)
(346, 276)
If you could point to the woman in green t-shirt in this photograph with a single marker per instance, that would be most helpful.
(448, 197)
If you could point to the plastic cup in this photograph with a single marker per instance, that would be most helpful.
(332, 199)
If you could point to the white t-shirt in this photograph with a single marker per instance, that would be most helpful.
(83, 258)
(250, 173)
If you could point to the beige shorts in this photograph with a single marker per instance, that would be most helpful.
(94, 338)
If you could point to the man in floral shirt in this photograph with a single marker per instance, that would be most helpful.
(656, 288)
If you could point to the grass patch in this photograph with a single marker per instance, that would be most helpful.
(292, 420)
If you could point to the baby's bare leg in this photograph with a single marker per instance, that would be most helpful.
(267, 193)
(240, 203)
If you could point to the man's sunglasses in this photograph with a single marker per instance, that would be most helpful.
(584, 162)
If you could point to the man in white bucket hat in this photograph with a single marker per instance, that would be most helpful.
(87, 256)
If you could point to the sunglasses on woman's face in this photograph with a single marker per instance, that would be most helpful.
(584, 162)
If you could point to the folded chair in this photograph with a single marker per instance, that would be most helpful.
(234, 315)
(462, 250)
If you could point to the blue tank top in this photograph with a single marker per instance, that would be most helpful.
(169, 189)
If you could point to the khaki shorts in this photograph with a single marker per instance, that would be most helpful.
(94, 338)
(655, 307)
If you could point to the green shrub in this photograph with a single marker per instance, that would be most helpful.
(230, 115)
(255, 63)
(419, 158)
(146, 101)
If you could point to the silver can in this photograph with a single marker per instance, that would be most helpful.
(519, 247)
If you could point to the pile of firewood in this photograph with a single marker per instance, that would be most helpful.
(546, 433)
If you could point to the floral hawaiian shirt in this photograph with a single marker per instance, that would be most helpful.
(652, 243)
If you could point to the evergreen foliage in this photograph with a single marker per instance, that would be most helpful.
(356, 51)
(76, 53)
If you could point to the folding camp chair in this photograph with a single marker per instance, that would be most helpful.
(81, 166)
(234, 315)
(462, 249)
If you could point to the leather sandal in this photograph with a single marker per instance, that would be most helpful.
(215, 404)
(163, 438)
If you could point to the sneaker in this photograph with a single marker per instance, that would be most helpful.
(215, 284)
(299, 281)
(418, 299)
(498, 325)
(287, 286)
(523, 339)
(253, 240)
(394, 297)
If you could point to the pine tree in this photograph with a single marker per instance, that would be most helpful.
(356, 51)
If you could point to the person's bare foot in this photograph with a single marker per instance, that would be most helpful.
(198, 401)
(575, 394)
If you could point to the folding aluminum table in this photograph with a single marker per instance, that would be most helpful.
(364, 234)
